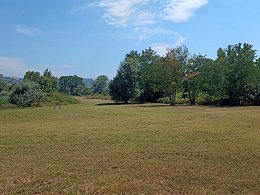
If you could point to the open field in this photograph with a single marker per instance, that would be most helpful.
(97, 148)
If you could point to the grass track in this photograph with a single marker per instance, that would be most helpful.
(97, 148)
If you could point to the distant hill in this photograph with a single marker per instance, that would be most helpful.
(88, 82)
(11, 80)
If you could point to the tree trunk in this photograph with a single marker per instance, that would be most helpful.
(172, 99)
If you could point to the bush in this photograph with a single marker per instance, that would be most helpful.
(182, 101)
(56, 97)
(4, 94)
(104, 96)
(165, 100)
(26, 94)
(205, 99)
(3, 101)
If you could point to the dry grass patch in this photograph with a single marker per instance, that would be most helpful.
(99, 148)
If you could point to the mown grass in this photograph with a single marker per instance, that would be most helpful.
(99, 148)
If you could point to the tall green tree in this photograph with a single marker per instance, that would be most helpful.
(147, 59)
(124, 86)
(241, 58)
(49, 82)
(100, 84)
(168, 73)
(193, 79)
(72, 85)
(33, 76)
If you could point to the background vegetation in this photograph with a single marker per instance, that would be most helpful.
(231, 79)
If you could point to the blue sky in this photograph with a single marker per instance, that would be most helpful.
(90, 38)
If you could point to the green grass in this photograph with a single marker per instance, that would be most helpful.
(98, 148)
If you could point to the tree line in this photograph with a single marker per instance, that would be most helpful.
(37, 89)
(233, 78)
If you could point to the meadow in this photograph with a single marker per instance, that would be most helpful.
(96, 147)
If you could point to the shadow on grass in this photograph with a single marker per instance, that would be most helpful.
(142, 105)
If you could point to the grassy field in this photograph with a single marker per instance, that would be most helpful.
(99, 148)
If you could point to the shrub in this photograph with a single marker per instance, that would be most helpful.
(26, 94)
(165, 100)
(55, 97)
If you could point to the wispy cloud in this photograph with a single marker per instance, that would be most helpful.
(161, 48)
(27, 30)
(12, 66)
(182, 10)
(144, 32)
(142, 12)
(179, 39)
(119, 12)
(143, 18)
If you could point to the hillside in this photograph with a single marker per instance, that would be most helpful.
(10, 80)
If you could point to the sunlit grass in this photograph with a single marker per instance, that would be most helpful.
(101, 148)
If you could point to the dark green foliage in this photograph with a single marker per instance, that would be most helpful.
(3, 86)
(100, 84)
(148, 58)
(47, 81)
(72, 85)
(193, 82)
(32, 76)
(4, 100)
(88, 82)
(168, 73)
(124, 85)
(26, 94)
(233, 78)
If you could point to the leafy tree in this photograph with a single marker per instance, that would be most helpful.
(72, 85)
(124, 85)
(241, 59)
(148, 58)
(32, 76)
(26, 93)
(168, 72)
(193, 79)
(100, 84)
(49, 82)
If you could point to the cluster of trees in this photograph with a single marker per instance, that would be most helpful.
(231, 79)
(36, 89)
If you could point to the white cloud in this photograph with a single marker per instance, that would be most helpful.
(118, 12)
(179, 39)
(12, 66)
(27, 30)
(160, 48)
(83, 8)
(145, 17)
(182, 10)
(146, 12)
(144, 33)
